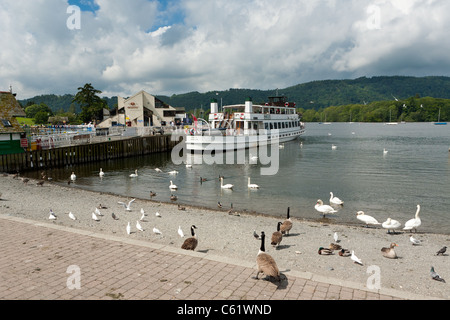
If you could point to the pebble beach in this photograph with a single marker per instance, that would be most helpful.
(231, 235)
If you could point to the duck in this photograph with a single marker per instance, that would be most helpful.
(73, 176)
(173, 197)
(324, 208)
(134, 175)
(181, 208)
(101, 173)
(203, 179)
(360, 215)
(226, 186)
(389, 252)
(219, 205)
(265, 263)
(325, 251)
(152, 194)
(344, 252)
(286, 226)
(192, 242)
(252, 185)
(277, 236)
(172, 186)
(413, 223)
(335, 200)
(334, 246)
(391, 224)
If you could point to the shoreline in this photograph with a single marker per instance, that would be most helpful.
(231, 235)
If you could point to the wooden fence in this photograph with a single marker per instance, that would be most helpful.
(44, 159)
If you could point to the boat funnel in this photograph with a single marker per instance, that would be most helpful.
(214, 106)
(248, 105)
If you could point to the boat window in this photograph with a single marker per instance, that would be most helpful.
(266, 126)
(271, 126)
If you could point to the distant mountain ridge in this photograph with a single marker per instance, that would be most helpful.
(311, 95)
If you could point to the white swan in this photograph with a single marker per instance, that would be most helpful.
(324, 208)
(415, 222)
(335, 200)
(134, 175)
(226, 186)
(333, 147)
(73, 177)
(385, 151)
(360, 215)
(391, 224)
(172, 186)
(173, 172)
(101, 173)
(252, 185)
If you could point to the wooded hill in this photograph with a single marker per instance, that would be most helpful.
(375, 92)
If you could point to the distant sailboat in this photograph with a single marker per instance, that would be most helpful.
(439, 119)
(390, 119)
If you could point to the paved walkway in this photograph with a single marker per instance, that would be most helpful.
(41, 261)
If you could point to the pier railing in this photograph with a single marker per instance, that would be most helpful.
(86, 152)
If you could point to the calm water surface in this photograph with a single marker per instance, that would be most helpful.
(416, 170)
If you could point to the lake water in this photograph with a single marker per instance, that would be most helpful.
(416, 170)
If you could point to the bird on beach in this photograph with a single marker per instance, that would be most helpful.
(286, 226)
(52, 215)
(97, 212)
(336, 237)
(127, 206)
(435, 276)
(335, 200)
(157, 214)
(324, 208)
(414, 241)
(325, 251)
(173, 197)
(113, 215)
(360, 215)
(334, 246)
(156, 230)
(441, 251)
(413, 223)
(180, 232)
(355, 259)
(391, 224)
(256, 236)
(138, 226)
(182, 208)
(94, 217)
(277, 236)
(265, 263)
(389, 252)
(344, 253)
(71, 216)
(192, 242)
(128, 228)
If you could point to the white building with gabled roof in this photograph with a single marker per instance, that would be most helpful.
(143, 110)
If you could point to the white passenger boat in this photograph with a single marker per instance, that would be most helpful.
(244, 126)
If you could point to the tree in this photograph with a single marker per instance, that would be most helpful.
(33, 109)
(91, 104)
(41, 117)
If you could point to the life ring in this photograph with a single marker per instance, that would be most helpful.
(215, 116)
(242, 116)
(192, 131)
(286, 104)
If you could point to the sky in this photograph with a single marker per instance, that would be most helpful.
(173, 47)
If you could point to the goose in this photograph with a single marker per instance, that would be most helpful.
(226, 186)
(324, 208)
(138, 226)
(101, 173)
(265, 263)
(52, 215)
(172, 186)
(413, 223)
(389, 252)
(71, 216)
(128, 228)
(94, 217)
(355, 259)
(180, 232)
(391, 224)
(191, 242)
(286, 226)
(414, 241)
(335, 200)
(325, 251)
(134, 175)
(360, 215)
(73, 176)
(252, 185)
(127, 206)
(277, 236)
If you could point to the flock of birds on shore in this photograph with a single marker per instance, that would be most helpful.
(265, 263)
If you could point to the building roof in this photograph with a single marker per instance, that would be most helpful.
(9, 109)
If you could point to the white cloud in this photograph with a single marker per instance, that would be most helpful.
(126, 46)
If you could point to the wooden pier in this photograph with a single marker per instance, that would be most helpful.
(86, 153)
